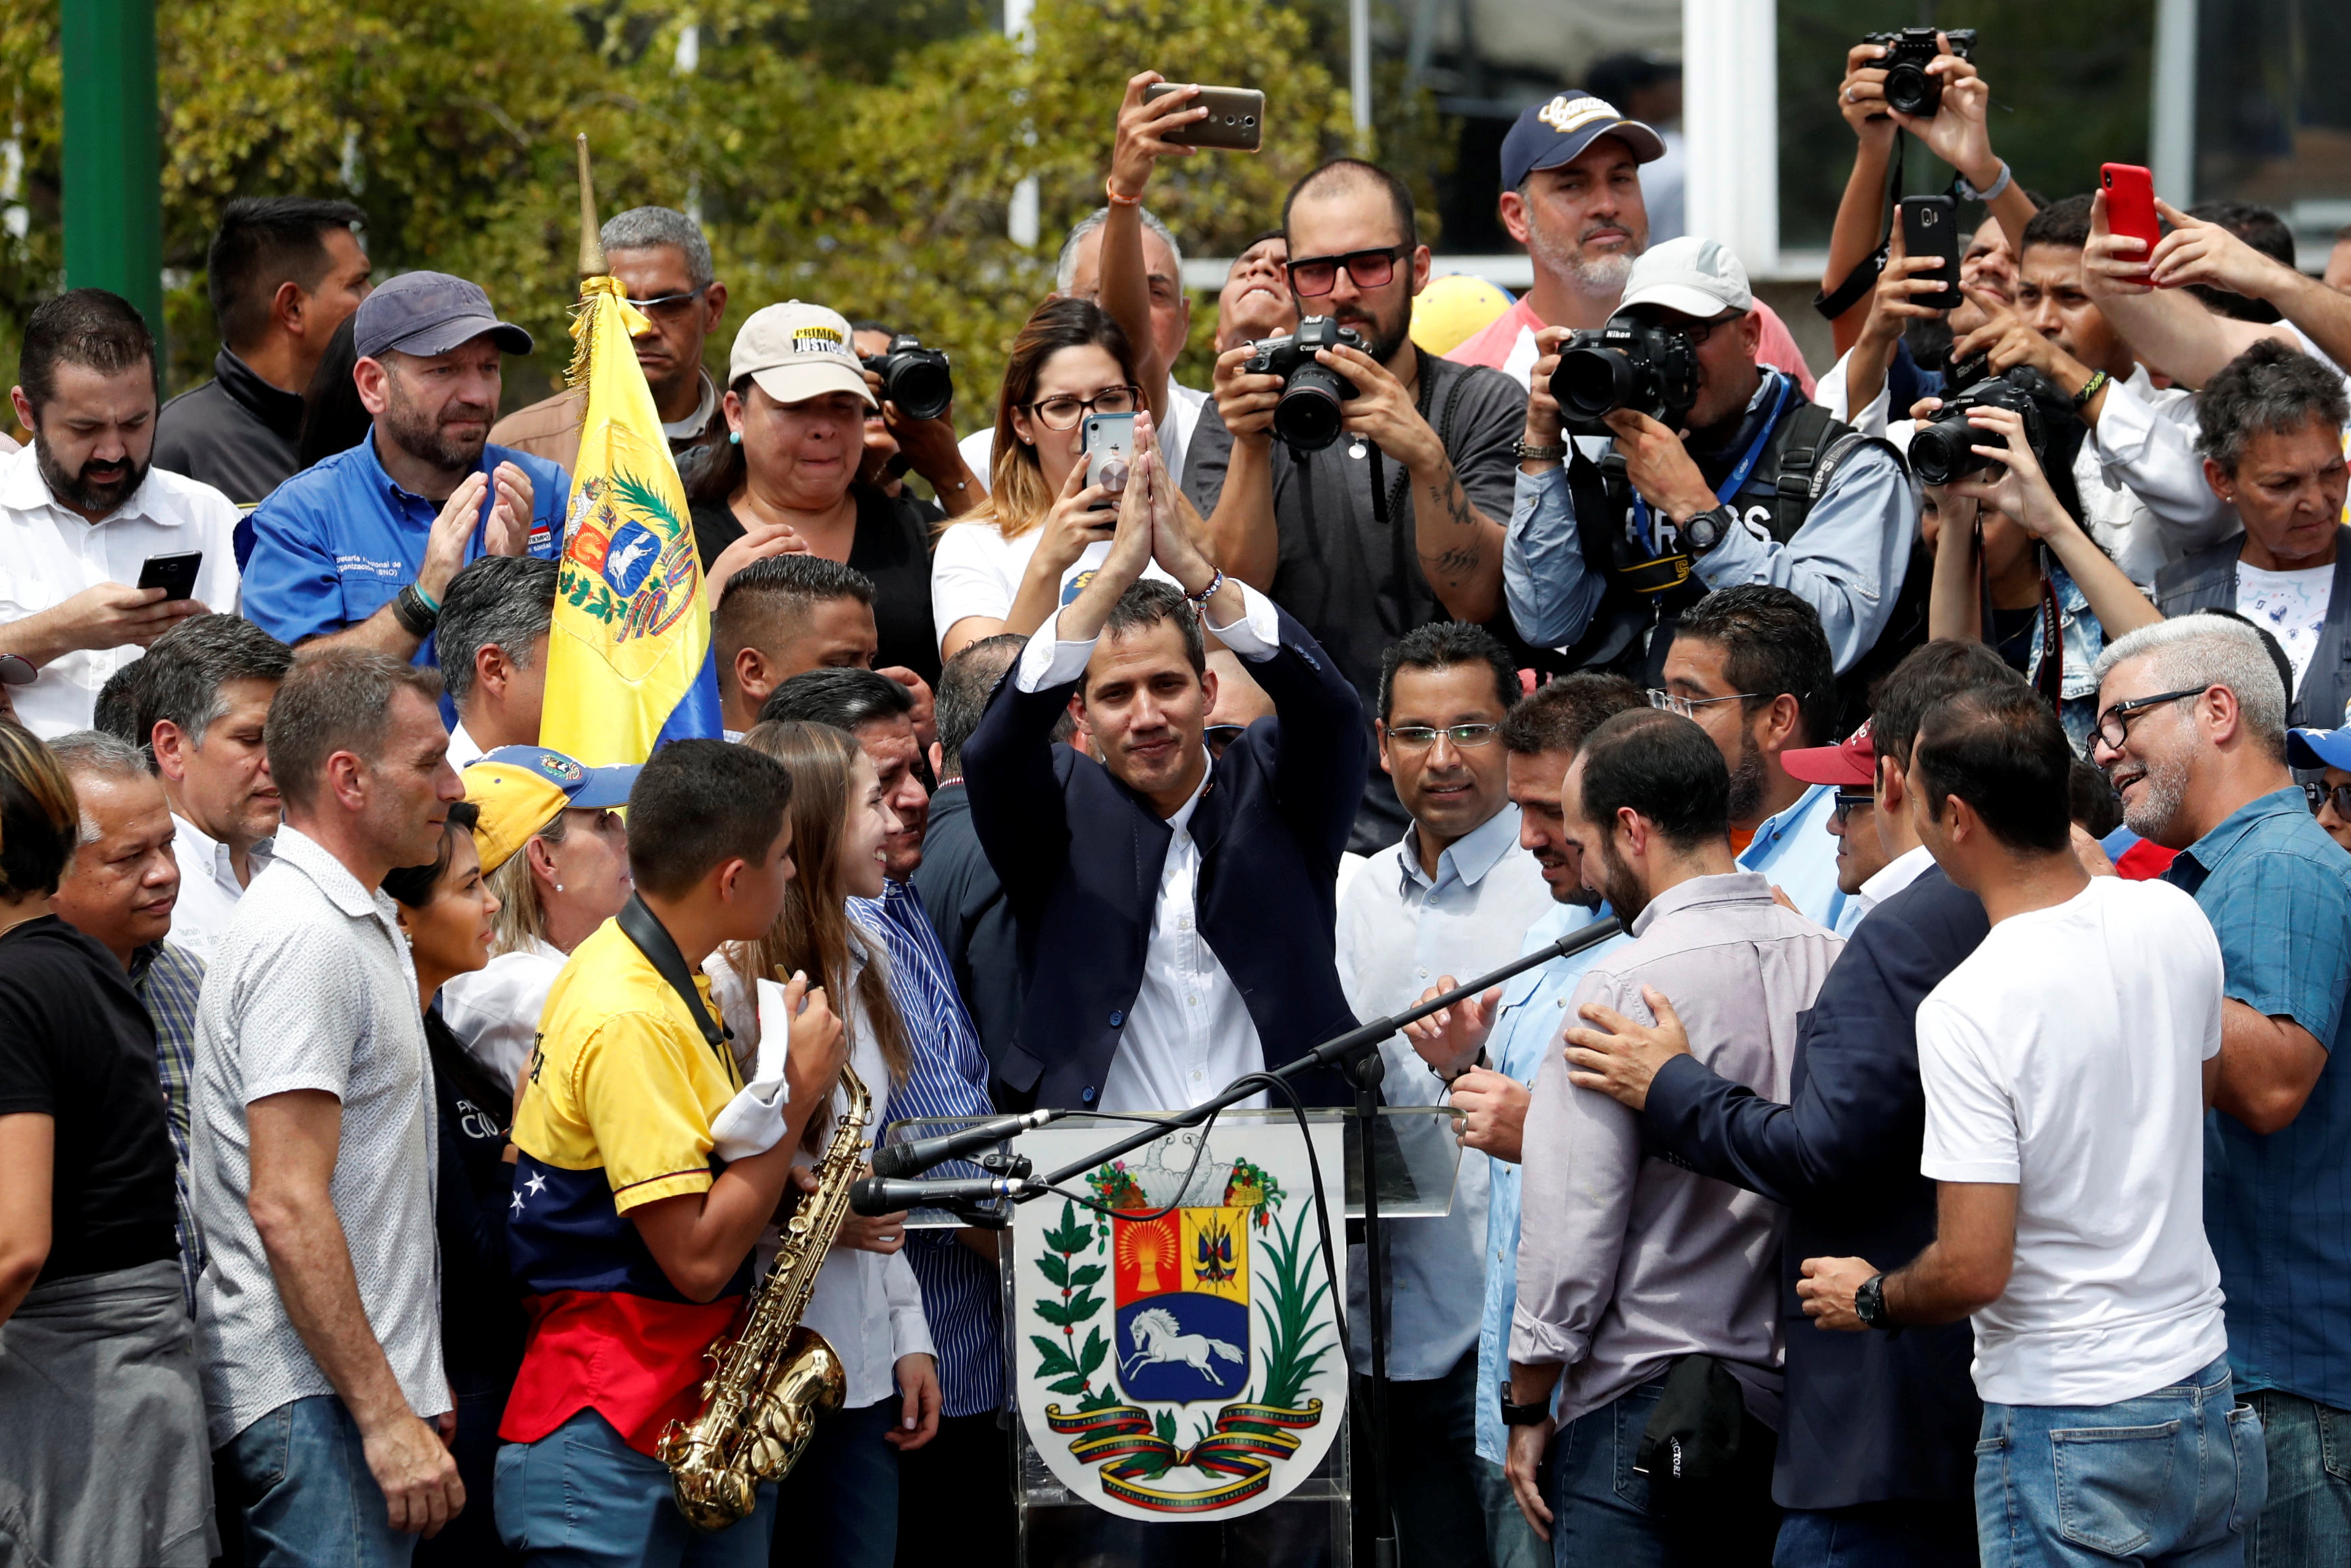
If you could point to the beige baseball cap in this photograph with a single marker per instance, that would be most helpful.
(1698, 277)
(796, 352)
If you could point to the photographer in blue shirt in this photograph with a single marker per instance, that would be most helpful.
(361, 548)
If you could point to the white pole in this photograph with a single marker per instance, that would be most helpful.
(1359, 69)
(2171, 114)
(1732, 126)
(1022, 222)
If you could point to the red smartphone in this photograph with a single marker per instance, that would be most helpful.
(2130, 203)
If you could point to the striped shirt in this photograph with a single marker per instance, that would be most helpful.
(961, 1300)
(167, 978)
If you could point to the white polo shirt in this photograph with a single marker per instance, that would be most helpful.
(49, 554)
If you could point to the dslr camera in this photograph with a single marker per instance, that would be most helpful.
(1631, 362)
(1908, 87)
(1944, 450)
(1306, 417)
(913, 377)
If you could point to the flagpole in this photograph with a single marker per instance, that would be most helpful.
(592, 235)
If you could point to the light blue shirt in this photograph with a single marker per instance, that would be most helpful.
(1532, 1013)
(1846, 561)
(1400, 931)
(1796, 850)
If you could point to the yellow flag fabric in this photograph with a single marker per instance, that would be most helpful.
(629, 661)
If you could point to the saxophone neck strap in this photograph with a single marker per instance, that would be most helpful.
(643, 927)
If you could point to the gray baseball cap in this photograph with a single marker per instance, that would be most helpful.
(428, 313)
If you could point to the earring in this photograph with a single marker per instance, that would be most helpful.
(559, 887)
(733, 438)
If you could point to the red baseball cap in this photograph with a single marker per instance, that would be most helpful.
(1852, 765)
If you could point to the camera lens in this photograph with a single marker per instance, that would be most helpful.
(1945, 450)
(1307, 415)
(1590, 382)
(1912, 91)
(922, 388)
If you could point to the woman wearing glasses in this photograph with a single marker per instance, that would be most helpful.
(1015, 559)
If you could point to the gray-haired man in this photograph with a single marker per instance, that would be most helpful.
(660, 257)
(494, 628)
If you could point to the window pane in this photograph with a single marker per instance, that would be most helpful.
(2273, 111)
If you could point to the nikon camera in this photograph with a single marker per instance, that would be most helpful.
(913, 377)
(1908, 53)
(1632, 362)
(1306, 417)
(1944, 449)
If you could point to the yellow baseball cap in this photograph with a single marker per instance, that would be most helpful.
(1454, 308)
(521, 789)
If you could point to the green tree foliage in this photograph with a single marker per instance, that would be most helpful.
(858, 152)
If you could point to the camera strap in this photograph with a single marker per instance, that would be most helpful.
(1739, 473)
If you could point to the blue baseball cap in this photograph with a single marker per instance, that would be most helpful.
(2318, 748)
(428, 313)
(1558, 131)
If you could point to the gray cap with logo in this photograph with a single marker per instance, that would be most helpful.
(428, 313)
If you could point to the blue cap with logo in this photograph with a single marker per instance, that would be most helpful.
(428, 313)
(1558, 131)
(2318, 748)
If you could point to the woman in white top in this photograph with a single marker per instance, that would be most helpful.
(556, 879)
(842, 1496)
(1014, 559)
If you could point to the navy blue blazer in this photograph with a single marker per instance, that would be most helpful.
(1080, 856)
(1869, 1417)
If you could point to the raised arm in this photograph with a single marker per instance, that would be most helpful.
(2169, 329)
(1125, 279)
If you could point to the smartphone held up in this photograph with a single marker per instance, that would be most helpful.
(2130, 203)
(1235, 122)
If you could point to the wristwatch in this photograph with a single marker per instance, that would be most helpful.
(1869, 1303)
(1533, 1415)
(1704, 530)
(1524, 451)
(1449, 1082)
(417, 614)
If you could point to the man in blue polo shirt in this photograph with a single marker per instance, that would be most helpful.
(2191, 729)
(358, 548)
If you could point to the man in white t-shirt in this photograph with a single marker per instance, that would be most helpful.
(2067, 1064)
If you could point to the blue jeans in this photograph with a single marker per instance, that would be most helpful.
(842, 1497)
(1906, 1534)
(581, 1497)
(471, 1540)
(2307, 1520)
(1510, 1541)
(306, 1494)
(1601, 1507)
(2174, 1477)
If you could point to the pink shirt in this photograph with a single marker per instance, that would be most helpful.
(1509, 345)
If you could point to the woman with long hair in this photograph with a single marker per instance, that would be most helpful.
(447, 911)
(1005, 566)
(842, 1496)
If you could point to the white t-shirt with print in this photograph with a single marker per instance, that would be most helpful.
(2290, 606)
(976, 570)
(2066, 1057)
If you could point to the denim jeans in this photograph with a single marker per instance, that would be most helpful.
(2174, 1477)
(2306, 1524)
(842, 1497)
(1601, 1506)
(1510, 1541)
(581, 1497)
(306, 1494)
(1899, 1534)
(471, 1540)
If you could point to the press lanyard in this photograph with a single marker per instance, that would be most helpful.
(1737, 475)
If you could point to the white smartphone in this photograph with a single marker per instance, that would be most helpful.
(1109, 445)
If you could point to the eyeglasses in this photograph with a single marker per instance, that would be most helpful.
(1687, 707)
(671, 306)
(2320, 794)
(2113, 725)
(1420, 736)
(1318, 274)
(1847, 801)
(1062, 413)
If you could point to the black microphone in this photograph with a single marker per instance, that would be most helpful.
(921, 1153)
(873, 1194)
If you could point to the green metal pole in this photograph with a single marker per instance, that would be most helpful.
(113, 151)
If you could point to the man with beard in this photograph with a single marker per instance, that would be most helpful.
(1488, 1049)
(1635, 1274)
(2191, 729)
(1572, 195)
(82, 511)
(1396, 523)
(359, 550)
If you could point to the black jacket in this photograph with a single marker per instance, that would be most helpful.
(2207, 581)
(1869, 1417)
(966, 906)
(235, 433)
(1080, 854)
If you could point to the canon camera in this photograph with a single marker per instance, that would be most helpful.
(1306, 415)
(913, 377)
(1944, 449)
(1910, 87)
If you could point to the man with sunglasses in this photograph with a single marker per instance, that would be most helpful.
(2326, 752)
(660, 257)
(2191, 729)
(1456, 895)
(1395, 524)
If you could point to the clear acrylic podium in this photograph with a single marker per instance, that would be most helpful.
(1417, 1153)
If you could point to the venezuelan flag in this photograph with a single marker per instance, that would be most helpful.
(629, 661)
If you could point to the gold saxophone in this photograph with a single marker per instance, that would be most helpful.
(769, 1383)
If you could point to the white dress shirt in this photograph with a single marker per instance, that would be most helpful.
(1892, 878)
(1188, 1033)
(494, 1012)
(1399, 931)
(463, 747)
(1184, 406)
(49, 554)
(208, 886)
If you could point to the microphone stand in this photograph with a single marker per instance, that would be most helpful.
(1357, 1052)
